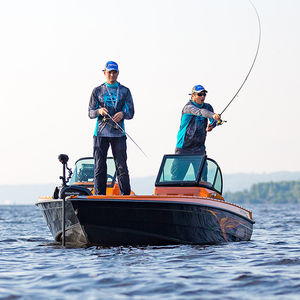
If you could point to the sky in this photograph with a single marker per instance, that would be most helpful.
(53, 52)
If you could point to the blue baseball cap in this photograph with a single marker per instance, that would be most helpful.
(198, 88)
(111, 66)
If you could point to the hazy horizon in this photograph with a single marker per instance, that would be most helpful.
(29, 193)
(154, 176)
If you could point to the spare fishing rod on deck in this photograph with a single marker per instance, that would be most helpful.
(220, 122)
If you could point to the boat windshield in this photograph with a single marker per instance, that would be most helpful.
(189, 170)
(84, 171)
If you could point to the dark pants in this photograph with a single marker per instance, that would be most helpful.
(118, 147)
(200, 151)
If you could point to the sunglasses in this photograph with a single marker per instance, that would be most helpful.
(201, 94)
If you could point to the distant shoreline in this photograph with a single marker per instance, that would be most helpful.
(27, 194)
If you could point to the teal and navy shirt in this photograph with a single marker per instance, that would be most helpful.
(115, 98)
(192, 132)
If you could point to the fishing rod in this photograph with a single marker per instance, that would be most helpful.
(122, 130)
(254, 60)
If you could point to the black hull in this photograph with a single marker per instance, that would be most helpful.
(123, 222)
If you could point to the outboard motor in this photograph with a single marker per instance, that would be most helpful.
(65, 190)
(73, 190)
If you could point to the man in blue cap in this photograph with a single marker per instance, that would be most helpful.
(111, 99)
(194, 123)
(196, 120)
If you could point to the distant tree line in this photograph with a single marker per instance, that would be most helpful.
(274, 192)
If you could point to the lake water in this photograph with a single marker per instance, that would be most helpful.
(267, 267)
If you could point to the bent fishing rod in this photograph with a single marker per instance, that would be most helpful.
(122, 130)
(220, 122)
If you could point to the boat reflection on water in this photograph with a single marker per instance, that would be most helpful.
(187, 207)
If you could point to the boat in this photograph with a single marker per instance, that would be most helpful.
(186, 207)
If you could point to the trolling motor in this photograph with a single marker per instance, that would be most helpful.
(66, 190)
(64, 158)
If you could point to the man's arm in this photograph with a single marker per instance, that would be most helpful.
(128, 109)
(94, 109)
(212, 121)
(93, 106)
(206, 113)
(191, 109)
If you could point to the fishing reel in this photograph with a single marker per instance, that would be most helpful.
(217, 123)
(220, 122)
(105, 119)
(113, 124)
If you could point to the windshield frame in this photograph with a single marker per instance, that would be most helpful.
(108, 184)
(191, 183)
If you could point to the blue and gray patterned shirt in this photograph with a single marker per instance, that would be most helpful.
(115, 98)
(192, 132)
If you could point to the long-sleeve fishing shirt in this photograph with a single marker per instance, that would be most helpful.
(115, 98)
(192, 133)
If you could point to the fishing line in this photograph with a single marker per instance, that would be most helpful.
(257, 50)
(120, 128)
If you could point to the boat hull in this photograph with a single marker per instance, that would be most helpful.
(147, 221)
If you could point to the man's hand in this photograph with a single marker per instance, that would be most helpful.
(118, 116)
(217, 117)
(103, 111)
(209, 128)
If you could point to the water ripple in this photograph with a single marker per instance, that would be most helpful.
(32, 266)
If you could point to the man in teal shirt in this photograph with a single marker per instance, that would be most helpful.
(114, 99)
(197, 119)
(194, 123)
